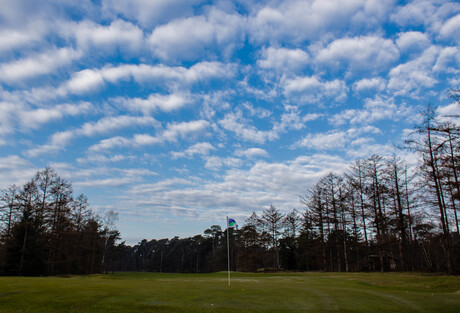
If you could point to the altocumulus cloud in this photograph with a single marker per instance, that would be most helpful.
(190, 108)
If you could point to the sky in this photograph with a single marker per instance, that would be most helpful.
(177, 113)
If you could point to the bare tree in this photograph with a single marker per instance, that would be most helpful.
(110, 220)
(8, 207)
(427, 144)
(291, 223)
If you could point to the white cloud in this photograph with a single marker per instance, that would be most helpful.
(15, 170)
(379, 109)
(324, 141)
(206, 70)
(106, 182)
(359, 53)
(85, 81)
(60, 139)
(92, 79)
(241, 190)
(235, 123)
(37, 117)
(252, 153)
(145, 140)
(161, 186)
(104, 126)
(172, 133)
(366, 130)
(189, 38)
(283, 60)
(409, 41)
(110, 143)
(108, 124)
(43, 149)
(8, 111)
(301, 83)
(361, 142)
(451, 29)
(338, 139)
(171, 78)
(135, 172)
(414, 13)
(370, 148)
(449, 113)
(16, 12)
(448, 61)
(296, 20)
(15, 38)
(374, 110)
(215, 162)
(17, 116)
(35, 65)
(119, 34)
(256, 111)
(202, 148)
(311, 89)
(290, 119)
(165, 103)
(182, 38)
(411, 77)
(149, 13)
(311, 117)
(180, 130)
(429, 13)
(375, 83)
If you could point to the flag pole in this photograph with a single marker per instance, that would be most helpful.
(228, 253)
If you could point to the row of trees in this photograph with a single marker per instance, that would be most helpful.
(46, 230)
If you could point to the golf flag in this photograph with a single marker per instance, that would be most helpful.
(231, 223)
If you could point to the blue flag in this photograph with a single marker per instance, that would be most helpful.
(231, 223)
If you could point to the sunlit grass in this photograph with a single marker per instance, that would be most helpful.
(286, 292)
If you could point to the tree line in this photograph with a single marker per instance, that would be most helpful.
(46, 230)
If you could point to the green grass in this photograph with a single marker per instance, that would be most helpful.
(286, 292)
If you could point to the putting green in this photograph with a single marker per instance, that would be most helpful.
(285, 292)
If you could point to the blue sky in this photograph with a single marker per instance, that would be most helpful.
(176, 113)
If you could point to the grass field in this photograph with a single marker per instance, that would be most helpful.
(286, 292)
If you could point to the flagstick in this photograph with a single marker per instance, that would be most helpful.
(228, 253)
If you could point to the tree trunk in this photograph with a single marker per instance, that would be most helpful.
(432, 164)
(21, 262)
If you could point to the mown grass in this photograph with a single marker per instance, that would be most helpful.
(281, 292)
